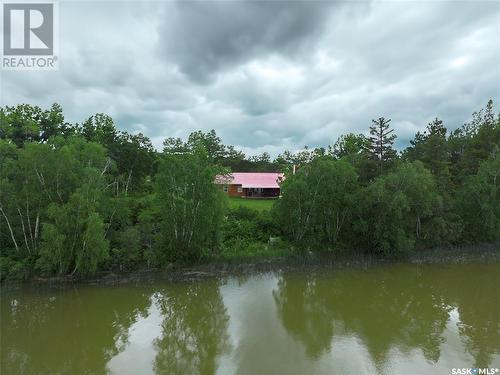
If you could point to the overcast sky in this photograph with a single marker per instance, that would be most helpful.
(269, 76)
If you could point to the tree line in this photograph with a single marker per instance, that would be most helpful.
(78, 198)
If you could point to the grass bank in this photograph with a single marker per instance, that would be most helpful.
(251, 203)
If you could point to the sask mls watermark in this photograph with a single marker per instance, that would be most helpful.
(475, 371)
(30, 35)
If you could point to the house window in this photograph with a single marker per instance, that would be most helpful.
(240, 189)
(225, 188)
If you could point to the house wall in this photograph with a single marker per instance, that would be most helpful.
(233, 191)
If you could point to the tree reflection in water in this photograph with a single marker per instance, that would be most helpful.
(194, 329)
(71, 331)
(397, 317)
(403, 308)
(477, 298)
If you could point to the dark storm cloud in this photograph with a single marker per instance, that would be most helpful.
(205, 37)
(270, 75)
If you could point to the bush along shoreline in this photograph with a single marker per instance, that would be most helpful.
(286, 260)
(82, 199)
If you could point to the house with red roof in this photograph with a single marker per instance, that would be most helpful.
(251, 184)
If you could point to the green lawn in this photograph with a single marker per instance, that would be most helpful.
(256, 204)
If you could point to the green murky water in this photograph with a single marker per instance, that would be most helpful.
(397, 319)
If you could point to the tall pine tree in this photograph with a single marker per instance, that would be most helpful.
(380, 143)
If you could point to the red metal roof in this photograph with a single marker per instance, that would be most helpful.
(252, 179)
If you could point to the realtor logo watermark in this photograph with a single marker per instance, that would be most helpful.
(30, 35)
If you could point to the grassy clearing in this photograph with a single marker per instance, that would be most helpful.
(256, 204)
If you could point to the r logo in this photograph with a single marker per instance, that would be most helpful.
(28, 29)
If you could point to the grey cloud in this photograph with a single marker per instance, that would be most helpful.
(205, 37)
(269, 76)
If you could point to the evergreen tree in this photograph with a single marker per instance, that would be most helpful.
(431, 148)
(380, 143)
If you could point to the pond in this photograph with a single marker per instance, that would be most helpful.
(392, 318)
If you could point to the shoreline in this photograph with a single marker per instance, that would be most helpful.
(306, 262)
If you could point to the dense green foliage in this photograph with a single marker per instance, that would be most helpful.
(191, 205)
(78, 198)
(317, 202)
(399, 209)
(246, 232)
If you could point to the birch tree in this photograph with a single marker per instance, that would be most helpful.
(191, 205)
(317, 202)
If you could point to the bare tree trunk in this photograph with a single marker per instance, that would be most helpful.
(74, 269)
(10, 229)
(29, 223)
(128, 181)
(337, 226)
(306, 223)
(108, 163)
(42, 182)
(24, 230)
(110, 222)
(37, 222)
(57, 191)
